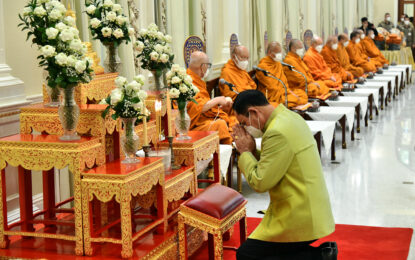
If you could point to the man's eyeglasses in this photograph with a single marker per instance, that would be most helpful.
(209, 65)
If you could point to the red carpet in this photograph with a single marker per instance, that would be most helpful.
(354, 242)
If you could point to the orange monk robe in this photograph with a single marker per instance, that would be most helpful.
(356, 58)
(372, 51)
(345, 62)
(319, 69)
(273, 89)
(205, 121)
(240, 78)
(296, 80)
(364, 55)
(333, 62)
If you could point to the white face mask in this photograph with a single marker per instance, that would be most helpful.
(255, 132)
(345, 44)
(372, 36)
(357, 41)
(206, 74)
(277, 57)
(334, 46)
(319, 48)
(406, 22)
(300, 52)
(402, 19)
(362, 36)
(388, 18)
(243, 65)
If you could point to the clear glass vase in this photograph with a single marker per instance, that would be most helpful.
(53, 94)
(68, 114)
(112, 61)
(182, 122)
(158, 80)
(129, 141)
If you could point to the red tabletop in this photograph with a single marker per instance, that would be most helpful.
(195, 135)
(122, 169)
(175, 173)
(39, 138)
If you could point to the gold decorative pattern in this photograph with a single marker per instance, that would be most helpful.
(42, 156)
(180, 184)
(9, 114)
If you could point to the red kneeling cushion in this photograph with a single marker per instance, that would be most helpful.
(216, 201)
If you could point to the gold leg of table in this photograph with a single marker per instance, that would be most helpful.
(126, 230)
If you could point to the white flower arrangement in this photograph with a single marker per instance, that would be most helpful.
(107, 23)
(127, 99)
(153, 48)
(61, 52)
(180, 85)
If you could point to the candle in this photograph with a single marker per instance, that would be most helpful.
(168, 104)
(145, 131)
(158, 118)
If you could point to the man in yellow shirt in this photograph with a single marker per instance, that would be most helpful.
(288, 167)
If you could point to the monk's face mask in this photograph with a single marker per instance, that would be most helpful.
(300, 52)
(334, 46)
(277, 57)
(241, 64)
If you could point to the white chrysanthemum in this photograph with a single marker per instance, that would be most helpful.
(175, 67)
(118, 33)
(39, 11)
(140, 79)
(27, 11)
(70, 21)
(61, 59)
(95, 23)
(106, 32)
(121, 20)
(108, 3)
(164, 58)
(183, 88)
(111, 16)
(154, 56)
(52, 33)
(71, 61)
(139, 46)
(55, 15)
(61, 26)
(167, 38)
(76, 45)
(120, 81)
(174, 93)
(47, 51)
(80, 66)
(91, 9)
(176, 80)
(116, 96)
(66, 35)
(117, 8)
(131, 31)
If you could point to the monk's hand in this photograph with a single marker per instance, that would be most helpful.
(333, 78)
(244, 141)
(315, 83)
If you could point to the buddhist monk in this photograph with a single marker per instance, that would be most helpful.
(329, 54)
(343, 42)
(296, 80)
(362, 50)
(318, 67)
(273, 90)
(235, 72)
(356, 57)
(371, 50)
(203, 113)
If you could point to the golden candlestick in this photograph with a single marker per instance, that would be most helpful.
(168, 105)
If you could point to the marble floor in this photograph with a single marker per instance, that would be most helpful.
(372, 181)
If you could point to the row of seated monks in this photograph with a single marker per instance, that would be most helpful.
(325, 67)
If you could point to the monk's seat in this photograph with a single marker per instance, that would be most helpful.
(215, 210)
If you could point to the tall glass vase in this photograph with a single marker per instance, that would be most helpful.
(158, 80)
(53, 93)
(68, 114)
(112, 61)
(182, 121)
(129, 141)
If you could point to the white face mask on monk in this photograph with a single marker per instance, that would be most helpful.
(277, 57)
(345, 44)
(255, 132)
(243, 65)
(319, 48)
(388, 18)
(334, 46)
(362, 36)
(300, 52)
(357, 41)
(206, 74)
(372, 36)
(402, 19)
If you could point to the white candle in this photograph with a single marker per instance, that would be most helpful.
(168, 104)
(145, 131)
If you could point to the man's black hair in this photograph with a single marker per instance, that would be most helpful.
(354, 34)
(364, 19)
(247, 99)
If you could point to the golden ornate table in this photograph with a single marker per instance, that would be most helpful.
(92, 92)
(43, 153)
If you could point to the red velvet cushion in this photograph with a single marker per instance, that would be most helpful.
(216, 201)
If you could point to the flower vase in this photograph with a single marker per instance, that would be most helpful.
(158, 80)
(68, 114)
(112, 61)
(129, 140)
(182, 121)
(53, 94)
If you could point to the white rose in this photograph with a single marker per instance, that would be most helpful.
(76, 45)
(188, 79)
(120, 81)
(159, 48)
(167, 49)
(91, 9)
(139, 46)
(95, 22)
(143, 32)
(71, 61)
(70, 21)
(153, 27)
(111, 16)
(121, 20)
(167, 38)
(183, 88)
(118, 33)
(61, 59)
(61, 26)
(56, 5)
(160, 35)
(66, 35)
(108, 3)
(131, 31)
(39, 11)
(138, 106)
(80, 66)
(164, 58)
(55, 14)
(175, 67)
(43, 1)
(52, 33)
(139, 78)
(117, 8)
(134, 86)
(47, 51)
(182, 72)
(154, 56)
(27, 11)
(106, 32)
(196, 90)
(116, 96)
(169, 74)
(174, 93)
(176, 80)
(75, 32)
(142, 95)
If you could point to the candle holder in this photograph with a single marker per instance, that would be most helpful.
(146, 149)
(173, 165)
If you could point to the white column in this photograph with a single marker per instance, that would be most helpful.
(230, 21)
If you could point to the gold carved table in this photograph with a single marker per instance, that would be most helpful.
(43, 153)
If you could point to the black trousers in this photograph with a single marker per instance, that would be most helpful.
(254, 249)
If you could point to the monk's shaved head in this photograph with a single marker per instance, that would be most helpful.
(331, 40)
(273, 47)
(316, 41)
(197, 59)
(359, 31)
(343, 37)
(241, 52)
(295, 44)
